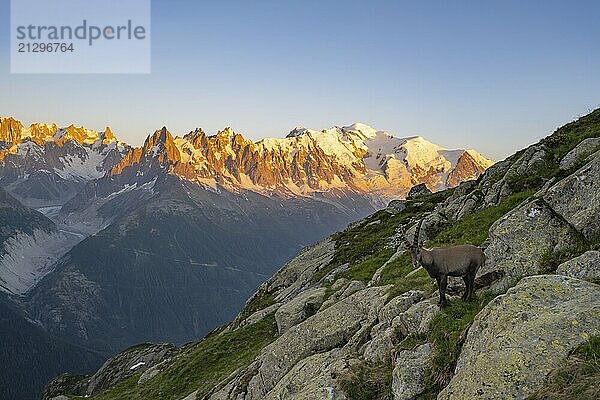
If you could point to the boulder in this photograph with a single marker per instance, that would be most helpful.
(66, 384)
(339, 286)
(434, 222)
(379, 347)
(408, 377)
(339, 283)
(326, 330)
(495, 183)
(152, 372)
(259, 315)
(520, 239)
(462, 201)
(586, 266)
(418, 191)
(417, 318)
(518, 338)
(312, 378)
(385, 334)
(297, 273)
(331, 276)
(577, 198)
(583, 149)
(353, 287)
(398, 305)
(299, 308)
(395, 206)
(191, 396)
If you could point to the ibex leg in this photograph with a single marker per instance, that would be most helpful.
(442, 283)
(472, 285)
(467, 280)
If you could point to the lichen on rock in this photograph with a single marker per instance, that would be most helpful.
(409, 372)
(577, 198)
(518, 338)
(519, 240)
(585, 266)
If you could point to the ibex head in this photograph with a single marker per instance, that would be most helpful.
(414, 248)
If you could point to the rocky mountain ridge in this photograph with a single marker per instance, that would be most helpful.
(350, 317)
(143, 243)
(85, 180)
(356, 158)
(43, 165)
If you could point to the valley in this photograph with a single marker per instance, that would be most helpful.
(164, 242)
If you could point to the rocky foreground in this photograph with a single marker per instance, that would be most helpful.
(350, 318)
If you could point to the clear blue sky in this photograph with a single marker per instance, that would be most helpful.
(494, 76)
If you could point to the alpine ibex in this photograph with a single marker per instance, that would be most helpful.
(442, 262)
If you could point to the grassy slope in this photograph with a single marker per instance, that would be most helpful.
(200, 365)
(447, 330)
(449, 326)
(366, 247)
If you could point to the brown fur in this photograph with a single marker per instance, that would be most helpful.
(441, 262)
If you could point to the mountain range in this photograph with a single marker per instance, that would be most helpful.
(352, 318)
(105, 244)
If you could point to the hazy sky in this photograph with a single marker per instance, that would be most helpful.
(494, 76)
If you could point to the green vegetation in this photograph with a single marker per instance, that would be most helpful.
(447, 330)
(261, 301)
(365, 246)
(563, 140)
(411, 342)
(551, 259)
(367, 381)
(397, 270)
(364, 270)
(577, 378)
(473, 228)
(202, 366)
(368, 239)
(404, 277)
(447, 333)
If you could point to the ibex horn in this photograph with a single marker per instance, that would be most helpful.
(403, 236)
(417, 234)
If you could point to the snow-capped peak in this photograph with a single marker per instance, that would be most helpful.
(479, 158)
(356, 157)
(14, 133)
(365, 130)
(64, 158)
(80, 135)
